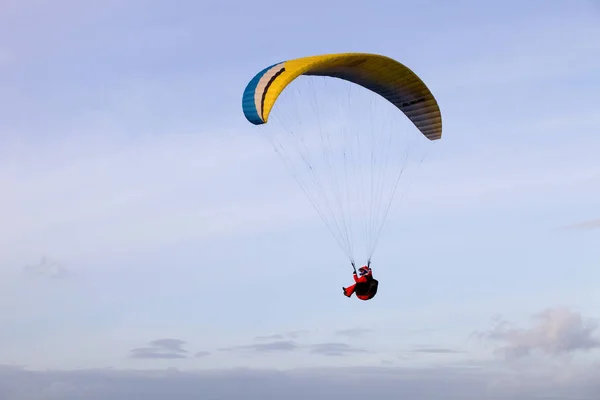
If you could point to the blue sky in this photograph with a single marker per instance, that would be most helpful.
(125, 159)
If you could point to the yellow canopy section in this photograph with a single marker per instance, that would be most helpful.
(382, 75)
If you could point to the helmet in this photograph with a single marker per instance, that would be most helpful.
(362, 271)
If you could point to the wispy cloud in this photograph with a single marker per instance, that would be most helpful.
(335, 349)
(48, 268)
(278, 336)
(425, 351)
(297, 334)
(584, 225)
(270, 347)
(161, 349)
(287, 346)
(437, 350)
(354, 332)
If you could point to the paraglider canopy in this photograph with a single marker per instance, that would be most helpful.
(383, 75)
(349, 167)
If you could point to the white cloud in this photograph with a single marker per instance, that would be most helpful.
(557, 331)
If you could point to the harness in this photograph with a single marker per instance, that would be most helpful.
(368, 288)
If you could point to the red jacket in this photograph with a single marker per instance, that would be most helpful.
(358, 279)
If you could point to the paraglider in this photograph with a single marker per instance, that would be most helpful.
(350, 168)
(365, 286)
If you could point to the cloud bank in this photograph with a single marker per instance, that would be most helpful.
(315, 384)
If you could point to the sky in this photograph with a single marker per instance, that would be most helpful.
(152, 243)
